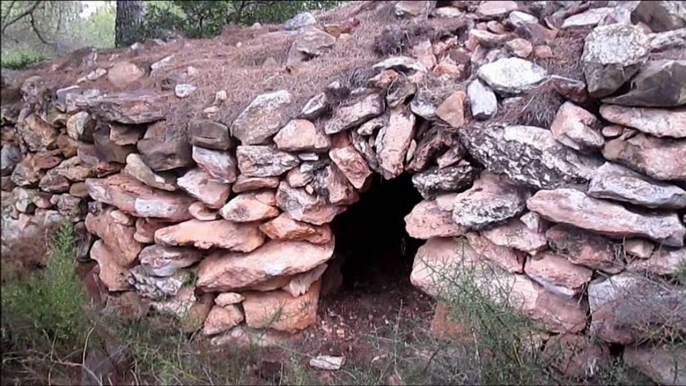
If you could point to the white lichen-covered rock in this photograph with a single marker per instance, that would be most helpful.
(490, 200)
(161, 261)
(573, 207)
(616, 182)
(528, 155)
(263, 117)
(303, 206)
(512, 75)
(435, 181)
(482, 100)
(157, 288)
(298, 21)
(612, 55)
(264, 161)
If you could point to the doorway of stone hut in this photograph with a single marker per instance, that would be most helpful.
(375, 255)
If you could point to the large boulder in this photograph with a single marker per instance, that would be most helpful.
(627, 308)
(660, 83)
(656, 122)
(280, 311)
(512, 75)
(137, 199)
(527, 155)
(210, 234)
(222, 271)
(165, 147)
(393, 141)
(264, 161)
(303, 206)
(490, 200)
(573, 207)
(616, 182)
(427, 220)
(660, 158)
(449, 179)
(612, 55)
(263, 117)
(585, 248)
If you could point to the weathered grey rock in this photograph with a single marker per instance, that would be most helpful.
(164, 147)
(201, 185)
(588, 18)
(108, 150)
(330, 183)
(298, 21)
(515, 234)
(263, 117)
(209, 234)
(527, 155)
(656, 122)
(137, 199)
(482, 100)
(660, 15)
(54, 183)
(309, 42)
(131, 109)
(303, 206)
(612, 55)
(136, 168)
(264, 161)
(301, 135)
(616, 182)
(626, 307)
(659, 83)
(362, 110)
(123, 135)
(665, 40)
(664, 365)
(450, 179)
(665, 262)
(490, 200)
(209, 134)
(519, 18)
(351, 163)
(404, 64)
(25, 174)
(246, 184)
(80, 126)
(577, 128)
(10, 156)
(412, 8)
(247, 207)
(573, 207)
(224, 271)
(512, 75)
(585, 248)
(327, 362)
(424, 104)
(184, 90)
(157, 288)
(660, 158)
(160, 261)
(393, 141)
(315, 107)
(68, 205)
(219, 164)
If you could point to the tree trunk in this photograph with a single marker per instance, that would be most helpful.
(128, 22)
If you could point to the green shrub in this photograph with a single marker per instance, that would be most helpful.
(21, 60)
(47, 306)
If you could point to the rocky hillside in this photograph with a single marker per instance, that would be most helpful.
(548, 139)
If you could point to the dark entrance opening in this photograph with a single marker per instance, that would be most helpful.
(371, 236)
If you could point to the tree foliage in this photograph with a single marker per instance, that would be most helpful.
(200, 19)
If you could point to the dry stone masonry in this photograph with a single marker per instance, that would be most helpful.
(225, 223)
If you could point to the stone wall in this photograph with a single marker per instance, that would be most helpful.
(225, 225)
